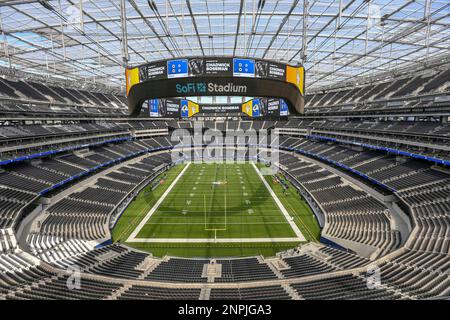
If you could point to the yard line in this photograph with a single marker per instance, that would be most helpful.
(294, 227)
(136, 231)
(215, 240)
(230, 223)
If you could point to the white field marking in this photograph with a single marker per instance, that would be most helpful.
(198, 223)
(133, 238)
(221, 211)
(291, 222)
(212, 240)
(136, 231)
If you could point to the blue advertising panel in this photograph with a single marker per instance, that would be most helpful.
(184, 104)
(243, 67)
(256, 108)
(153, 107)
(177, 68)
(284, 109)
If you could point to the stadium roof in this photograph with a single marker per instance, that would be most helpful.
(337, 40)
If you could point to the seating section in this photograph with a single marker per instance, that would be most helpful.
(402, 87)
(85, 214)
(249, 269)
(57, 289)
(350, 214)
(417, 267)
(429, 205)
(50, 93)
(387, 170)
(305, 265)
(257, 293)
(8, 241)
(12, 202)
(53, 249)
(420, 275)
(123, 266)
(155, 293)
(179, 270)
(342, 287)
(20, 184)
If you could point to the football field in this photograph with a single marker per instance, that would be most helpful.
(211, 202)
(213, 210)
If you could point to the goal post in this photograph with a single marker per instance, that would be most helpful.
(210, 226)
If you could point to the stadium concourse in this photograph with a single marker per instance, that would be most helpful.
(126, 174)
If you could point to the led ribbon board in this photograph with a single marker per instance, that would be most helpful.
(215, 76)
(174, 108)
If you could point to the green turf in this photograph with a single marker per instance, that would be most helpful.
(227, 200)
(297, 208)
(139, 207)
(182, 215)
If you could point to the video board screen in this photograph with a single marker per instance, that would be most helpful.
(284, 108)
(153, 71)
(153, 106)
(172, 108)
(221, 108)
(215, 66)
(175, 108)
(243, 67)
(218, 66)
(184, 108)
(200, 76)
(265, 107)
(272, 70)
(177, 68)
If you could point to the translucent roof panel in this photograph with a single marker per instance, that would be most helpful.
(337, 40)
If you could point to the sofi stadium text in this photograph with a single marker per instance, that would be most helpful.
(227, 309)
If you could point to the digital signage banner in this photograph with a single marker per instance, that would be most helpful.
(173, 108)
(272, 70)
(243, 67)
(260, 107)
(252, 108)
(218, 66)
(153, 106)
(184, 108)
(132, 78)
(188, 108)
(273, 107)
(153, 71)
(296, 76)
(284, 108)
(214, 108)
(217, 76)
(177, 68)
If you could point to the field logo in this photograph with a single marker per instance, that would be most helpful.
(229, 146)
(74, 280)
(373, 277)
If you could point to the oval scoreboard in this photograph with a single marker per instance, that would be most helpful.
(215, 76)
